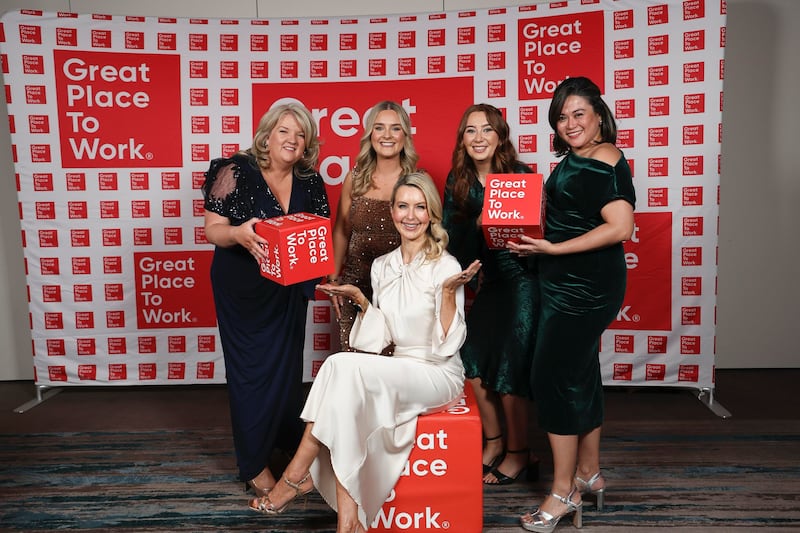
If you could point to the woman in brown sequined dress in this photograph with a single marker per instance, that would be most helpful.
(363, 229)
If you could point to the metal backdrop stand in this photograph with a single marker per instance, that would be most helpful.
(43, 392)
(706, 395)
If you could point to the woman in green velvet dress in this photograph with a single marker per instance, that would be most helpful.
(501, 323)
(589, 214)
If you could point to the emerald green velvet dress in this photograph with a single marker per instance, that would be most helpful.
(580, 295)
(501, 324)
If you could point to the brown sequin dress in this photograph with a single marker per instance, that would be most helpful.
(373, 234)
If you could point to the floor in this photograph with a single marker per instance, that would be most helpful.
(633, 415)
(746, 394)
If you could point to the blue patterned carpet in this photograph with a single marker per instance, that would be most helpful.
(679, 466)
(182, 481)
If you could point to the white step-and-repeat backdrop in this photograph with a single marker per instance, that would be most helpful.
(114, 119)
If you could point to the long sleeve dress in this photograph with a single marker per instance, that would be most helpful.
(261, 323)
(364, 407)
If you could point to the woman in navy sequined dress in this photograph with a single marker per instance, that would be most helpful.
(262, 323)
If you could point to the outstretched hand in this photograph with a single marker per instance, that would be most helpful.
(462, 278)
(343, 292)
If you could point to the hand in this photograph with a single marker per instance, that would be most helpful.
(336, 301)
(462, 278)
(254, 243)
(344, 292)
(530, 246)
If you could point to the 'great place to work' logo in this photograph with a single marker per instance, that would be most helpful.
(118, 110)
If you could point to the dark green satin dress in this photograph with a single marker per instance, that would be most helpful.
(580, 295)
(501, 324)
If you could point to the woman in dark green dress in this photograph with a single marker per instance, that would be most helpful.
(589, 213)
(501, 323)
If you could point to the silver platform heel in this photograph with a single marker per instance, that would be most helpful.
(587, 487)
(544, 522)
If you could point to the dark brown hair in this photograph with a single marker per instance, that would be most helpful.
(585, 88)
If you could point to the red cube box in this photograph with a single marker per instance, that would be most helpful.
(299, 248)
(513, 205)
(441, 486)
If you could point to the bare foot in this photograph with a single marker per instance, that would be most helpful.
(346, 526)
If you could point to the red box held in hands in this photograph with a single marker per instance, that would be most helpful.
(300, 248)
(513, 205)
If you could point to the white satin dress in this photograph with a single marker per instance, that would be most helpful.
(365, 406)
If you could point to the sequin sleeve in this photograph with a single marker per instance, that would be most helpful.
(317, 196)
(225, 190)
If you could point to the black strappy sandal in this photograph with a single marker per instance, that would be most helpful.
(497, 458)
(531, 471)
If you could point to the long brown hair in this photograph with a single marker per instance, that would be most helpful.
(463, 167)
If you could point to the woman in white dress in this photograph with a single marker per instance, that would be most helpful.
(362, 409)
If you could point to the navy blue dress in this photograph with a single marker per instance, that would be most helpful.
(261, 323)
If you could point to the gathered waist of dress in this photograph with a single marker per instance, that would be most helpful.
(423, 354)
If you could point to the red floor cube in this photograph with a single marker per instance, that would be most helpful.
(441, 487)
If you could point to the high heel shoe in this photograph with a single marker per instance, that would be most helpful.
(266, 506)
(544, 522)
(531, 471)
(259, 491)
(587, 487)
(497, 458)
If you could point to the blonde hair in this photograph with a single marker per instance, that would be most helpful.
(436, 236)
(367, 159)
(308, 163)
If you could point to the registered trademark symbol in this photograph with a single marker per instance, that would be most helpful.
(445, 525)
(149, 155)
(637, 318)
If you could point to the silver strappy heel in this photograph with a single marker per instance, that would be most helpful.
(587, 487)
(544, 522)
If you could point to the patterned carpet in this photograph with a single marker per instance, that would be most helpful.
(181, 481)
(700, 473)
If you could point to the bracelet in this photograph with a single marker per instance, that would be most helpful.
(358, 305)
